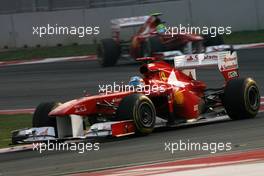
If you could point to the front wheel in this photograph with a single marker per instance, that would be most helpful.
(41, 117)
(241, 98)
(141, 110)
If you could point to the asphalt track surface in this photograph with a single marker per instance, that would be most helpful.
(26, 86)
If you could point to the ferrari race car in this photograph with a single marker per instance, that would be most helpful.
(168, 95)
(150, 38)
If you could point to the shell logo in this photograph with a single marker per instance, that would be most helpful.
(163, 76)
(178, 97)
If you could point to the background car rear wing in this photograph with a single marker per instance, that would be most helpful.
(225, 60)
(117, 24)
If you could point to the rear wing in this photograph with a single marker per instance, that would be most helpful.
(117, 24)
(225, 60)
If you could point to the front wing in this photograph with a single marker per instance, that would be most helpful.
(105, 129)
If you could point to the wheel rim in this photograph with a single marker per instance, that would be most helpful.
(253, 97)
(146, 115)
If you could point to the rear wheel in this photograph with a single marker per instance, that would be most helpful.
(41, 117)
(108, 52)
(141, 110)
(241, 98)
(197, 47)
(213, 41)
(151, 45)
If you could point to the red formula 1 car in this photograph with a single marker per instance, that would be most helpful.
(148, 40)
(168, 95)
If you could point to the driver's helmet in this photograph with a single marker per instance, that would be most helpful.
(161, 28)
(136, 81)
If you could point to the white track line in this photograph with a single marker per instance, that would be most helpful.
(17, 111)
(93, 57)
(49, 60)
(17, 148)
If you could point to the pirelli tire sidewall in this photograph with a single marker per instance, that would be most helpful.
(241, 98)
(132, 107)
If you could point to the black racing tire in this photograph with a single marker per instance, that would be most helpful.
(213, 41)
(150, 46)
(197, 47)
(108, 52)
(41, 117)
(141, 110)
(241, 98)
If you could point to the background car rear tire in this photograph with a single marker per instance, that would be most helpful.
(213, 41)
(141, 110)
(151, 46)
(41, 117)
(241, 98)
(108, 52)
(198, 47)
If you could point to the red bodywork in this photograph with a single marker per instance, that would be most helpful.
(169, 42)
(182, 97)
